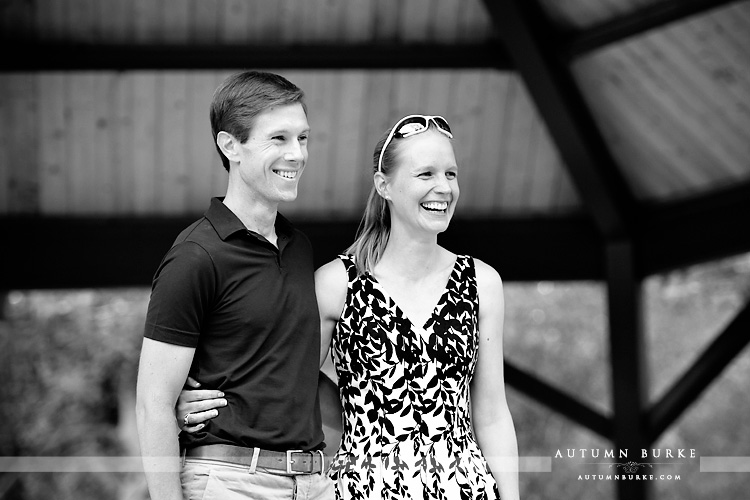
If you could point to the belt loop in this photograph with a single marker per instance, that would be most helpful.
(322, 462)
(183, 452)
(254, 460)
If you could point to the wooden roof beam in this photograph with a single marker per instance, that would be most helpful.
(86, 247)
(640, 21)
(558, 401)
(701, 374)
(529, 39)
(693, 230)
(70, 57)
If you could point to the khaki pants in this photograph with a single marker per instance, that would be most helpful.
(213, 480)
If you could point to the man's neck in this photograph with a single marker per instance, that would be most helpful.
(256, 217)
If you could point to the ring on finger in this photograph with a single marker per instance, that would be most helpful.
(185, 419)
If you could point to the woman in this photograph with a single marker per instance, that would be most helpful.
(424, 415)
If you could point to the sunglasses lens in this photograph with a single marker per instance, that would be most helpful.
(440, 122)
(408, 129)
(410, 126)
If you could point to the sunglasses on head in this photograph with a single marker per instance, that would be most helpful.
(413, 125)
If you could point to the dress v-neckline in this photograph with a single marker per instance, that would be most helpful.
(433, 311)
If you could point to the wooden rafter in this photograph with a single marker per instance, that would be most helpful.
(558, 401)
(565, 249)
(685, 232)
(640, 21)
(699, 376)
(46, 57)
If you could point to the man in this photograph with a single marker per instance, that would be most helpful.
(233, 306)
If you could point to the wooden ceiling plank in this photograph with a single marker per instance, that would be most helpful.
(104, 193)
(122, 137)
(347, 148)
(357, 26)
(545, 170)
(682, 113)
(593, 170)
(6, 154)
(504, 140)
(444, 23)
(147, 18)
(235, 20)
(204, 159)
(49, 20)
(53, 195)
(81, 164)
(489, 167)
(205, 25)
(414, 22)
(517, 169)
(174, 188)
(145, 126)
(387, 20)
(465, 117)
(720, 125)
(639, 124)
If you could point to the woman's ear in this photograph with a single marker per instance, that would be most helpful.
(381, 185)
(228, 145)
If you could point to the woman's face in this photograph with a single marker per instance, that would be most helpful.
(423, 186)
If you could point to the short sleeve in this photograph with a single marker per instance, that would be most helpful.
(182, 292)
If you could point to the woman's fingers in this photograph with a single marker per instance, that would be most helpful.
(201, 405)
(192, 383)
(201, 395)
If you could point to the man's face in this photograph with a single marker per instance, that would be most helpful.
(275, 154)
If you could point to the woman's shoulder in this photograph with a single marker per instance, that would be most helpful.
(487, 276)
(333, 271)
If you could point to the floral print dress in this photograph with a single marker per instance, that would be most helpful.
(405, 395)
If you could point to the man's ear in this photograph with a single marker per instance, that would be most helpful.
(381, 185)
(228, 145)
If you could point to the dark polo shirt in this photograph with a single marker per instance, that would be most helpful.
(249, 309)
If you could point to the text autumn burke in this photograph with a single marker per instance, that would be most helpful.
(625, 453)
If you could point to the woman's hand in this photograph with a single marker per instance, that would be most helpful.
(195, 406)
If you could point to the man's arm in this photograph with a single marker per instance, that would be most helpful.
(161, 374)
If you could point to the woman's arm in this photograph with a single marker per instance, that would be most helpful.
(493, 423)
(331, 284)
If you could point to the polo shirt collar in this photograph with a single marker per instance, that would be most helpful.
(226, 223)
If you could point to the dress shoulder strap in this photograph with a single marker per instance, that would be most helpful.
(351, 267)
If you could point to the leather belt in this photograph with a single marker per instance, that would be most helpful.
(290, 462)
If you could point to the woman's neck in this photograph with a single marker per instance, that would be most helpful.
(409, 256)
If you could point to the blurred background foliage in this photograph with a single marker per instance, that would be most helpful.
(68, 363)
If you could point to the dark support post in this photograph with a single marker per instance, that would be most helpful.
(627, 359)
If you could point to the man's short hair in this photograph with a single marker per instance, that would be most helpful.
(242, 97)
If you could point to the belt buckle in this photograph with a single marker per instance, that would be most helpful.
(289, 461)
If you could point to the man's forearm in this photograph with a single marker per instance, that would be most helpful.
(160, 451)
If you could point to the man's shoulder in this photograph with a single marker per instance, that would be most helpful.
(199, 231)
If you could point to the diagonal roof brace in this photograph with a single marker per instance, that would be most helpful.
(600, 184)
